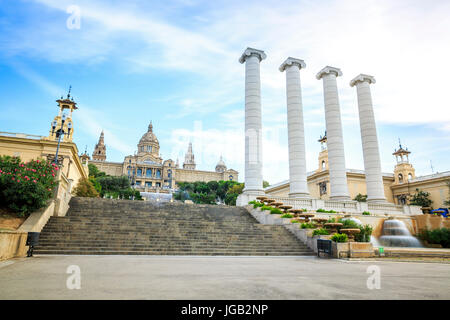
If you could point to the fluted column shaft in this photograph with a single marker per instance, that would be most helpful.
(298, 185)
(253, 121)
(371, 152)
(335, 140)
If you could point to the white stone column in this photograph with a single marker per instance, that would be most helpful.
(253, 124)
(335, 139)
(296, 134)
(371, 152)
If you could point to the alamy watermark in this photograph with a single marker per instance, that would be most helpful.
(74, 20)
(74, 280)
(374, 280)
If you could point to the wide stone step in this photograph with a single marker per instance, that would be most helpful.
(105, 226)
(174, 252)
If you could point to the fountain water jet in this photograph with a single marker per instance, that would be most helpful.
(396, 234)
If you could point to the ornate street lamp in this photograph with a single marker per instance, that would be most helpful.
(60, 133)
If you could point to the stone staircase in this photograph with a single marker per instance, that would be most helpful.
(122, 227)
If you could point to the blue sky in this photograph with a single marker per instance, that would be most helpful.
(175, 63)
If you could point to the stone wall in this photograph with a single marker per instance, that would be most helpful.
(12, 244)
(110, 168)
(431, 222)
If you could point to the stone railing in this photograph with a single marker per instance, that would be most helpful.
(295, 203)
(349, 206)
(21, 135)
(340, 205)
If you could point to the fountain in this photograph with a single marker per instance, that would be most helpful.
(396, 234)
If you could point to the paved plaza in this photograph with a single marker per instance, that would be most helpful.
(176, 277)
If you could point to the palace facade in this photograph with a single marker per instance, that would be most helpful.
(149, 172)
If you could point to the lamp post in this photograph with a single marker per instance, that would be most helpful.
(60, 133)
(132, 178)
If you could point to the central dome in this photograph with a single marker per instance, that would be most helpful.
(149, 136)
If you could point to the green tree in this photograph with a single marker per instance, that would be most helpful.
(85, 188)
(421, 198)
(94, 172)
(265, 184)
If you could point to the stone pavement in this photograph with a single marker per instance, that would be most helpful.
(197, 277)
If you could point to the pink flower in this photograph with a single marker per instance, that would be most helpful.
(34, 181)
(53, 174)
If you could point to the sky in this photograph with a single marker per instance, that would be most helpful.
(175, 63)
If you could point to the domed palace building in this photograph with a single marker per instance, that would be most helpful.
(148, 172)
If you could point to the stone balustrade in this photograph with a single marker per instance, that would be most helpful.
(349, 206)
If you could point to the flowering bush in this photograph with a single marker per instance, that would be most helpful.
(26, 187)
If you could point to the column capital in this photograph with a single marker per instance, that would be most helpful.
(252, 52)
(292, 62)
(361, 78)
(328, 70)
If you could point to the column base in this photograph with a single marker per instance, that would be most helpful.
(299, 195)
(340, 198)
(248, 195)
(377, 200)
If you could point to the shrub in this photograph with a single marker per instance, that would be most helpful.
(287, 215)
(437, 236)
(348, 224)
(276, 211)
(295, 221)
(307, 225)
(26, 187)
(361, 197)
(264, 207)
(331, 220)
(325, 211)
(366, 213)
(256, 204)
(320, 231)
(364, 234)
(339, 237)
(85, 188)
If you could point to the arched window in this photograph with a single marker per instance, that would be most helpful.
(409, 176)
(169, 173)
(139, 172)
(149, 173)
(400, 177)
(230, 177)
(323, 164)
(158, 174)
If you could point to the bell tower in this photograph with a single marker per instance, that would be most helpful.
(63, 121)
(99, 153)
(403, 171)
(189, 161)
(323, 155)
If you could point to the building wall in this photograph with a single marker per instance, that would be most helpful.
(37, 148)
(437, 187)
(110, 168)
(183, 175)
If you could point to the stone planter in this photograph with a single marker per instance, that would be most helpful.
(352, 250)
(361, 250)
(340, 249)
